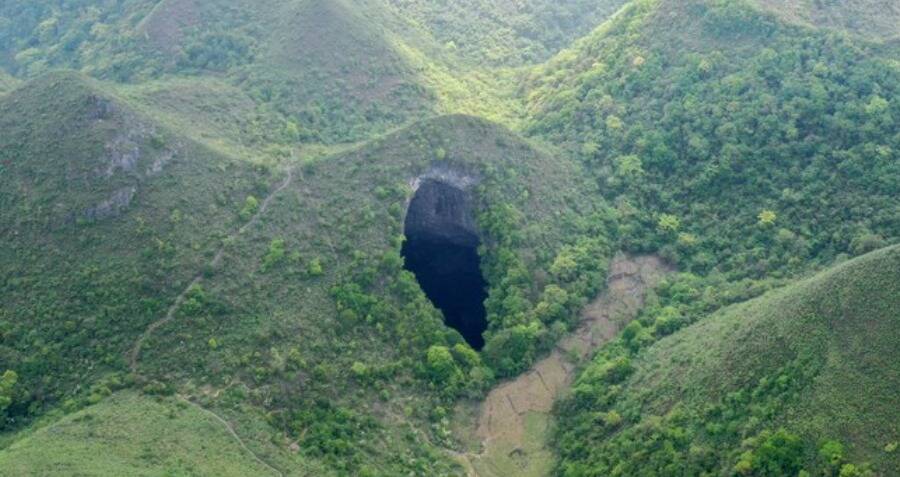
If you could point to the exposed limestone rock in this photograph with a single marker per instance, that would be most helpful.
(113, 206)
(442, 212)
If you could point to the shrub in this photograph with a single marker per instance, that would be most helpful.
(776, 454)
(275, 254)
(251, 205)
(832, 453)
(441, 365)
(315, 268)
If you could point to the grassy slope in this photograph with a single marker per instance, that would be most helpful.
(873, 19)
(671, 84)
(323, 63)
(834, 335)
(846, 321)
(504, 33)
(71, 280)
(217, 114)
(7, 82)
(341, 71)
(131, 434)
(346, 70)
(337, 68)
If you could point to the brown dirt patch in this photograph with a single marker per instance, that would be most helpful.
(514, 420)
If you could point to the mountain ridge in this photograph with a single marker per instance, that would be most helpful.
(224, 187)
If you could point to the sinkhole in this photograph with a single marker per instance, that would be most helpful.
(441, 249)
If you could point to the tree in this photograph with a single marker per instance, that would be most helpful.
(832, 452)
(778, 453)
(629, 167)
(866, 242)
(359, 369)
(877, 105)
(668, 321)
(850, 470)
(274, 255)
(553, 305)
(513, 349)
(441, 365)
(466, 355)
(564, 265)
(767, 218)
(668, 223)
(7, 389)
(636, 336)
(613, 123)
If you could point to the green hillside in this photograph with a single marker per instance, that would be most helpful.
(316, 295)
(505, 33)
(135, 435)
(222, 117)
(96, 238)
(208, 211)
(871, 19)
(717, 129)
(272, 285)
(804, 377)
(326, 65)
(7, 83)
(339, 71)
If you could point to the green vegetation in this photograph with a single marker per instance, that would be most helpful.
(94, 233)
(803, 378)
(697, 133)
(219, 115)
(204, 216)
(329, 71)
(7, 392)
(7, 82)
(499, 33)
(870, 19)
(337, 312)
(716, 129)
(129, 434)
(335, 323)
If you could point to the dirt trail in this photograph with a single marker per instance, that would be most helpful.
(233, 434)
(513, 421)
(135, 354)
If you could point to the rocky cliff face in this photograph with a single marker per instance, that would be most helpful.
(442, 212)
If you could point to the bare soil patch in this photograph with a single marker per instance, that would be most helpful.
(514, 421)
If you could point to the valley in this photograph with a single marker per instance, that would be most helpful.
(468, 238)
(514, 422)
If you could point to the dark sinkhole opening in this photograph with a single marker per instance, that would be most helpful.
(441, 249)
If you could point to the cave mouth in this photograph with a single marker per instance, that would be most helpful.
(441, 250)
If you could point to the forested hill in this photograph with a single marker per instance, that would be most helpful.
(801, 381)
(203, 211)
(736, 142)
(339, 70)
(869, 19)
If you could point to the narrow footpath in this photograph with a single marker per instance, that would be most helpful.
(135, 354)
